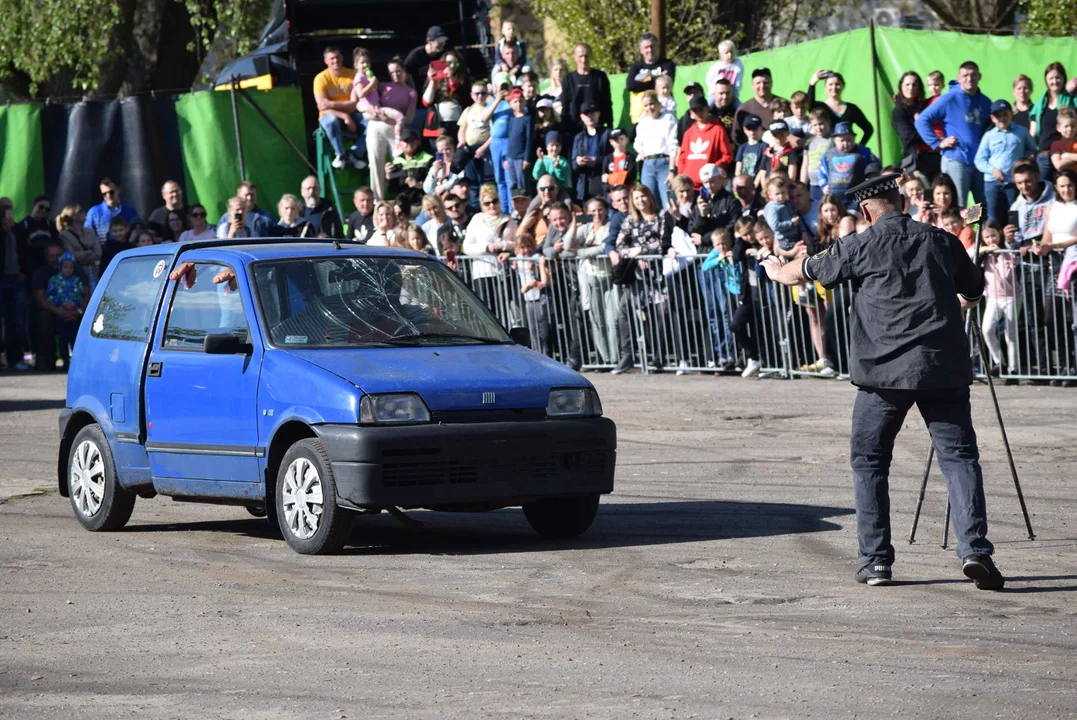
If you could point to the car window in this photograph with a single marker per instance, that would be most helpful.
(126, 308)
(202, 307)
(369, 301)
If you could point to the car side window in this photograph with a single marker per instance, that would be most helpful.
(127, 306)
(202, 307)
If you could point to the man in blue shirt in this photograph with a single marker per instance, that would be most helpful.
(963, 111)
(258, 221)
(1000, 149)
(99, 216)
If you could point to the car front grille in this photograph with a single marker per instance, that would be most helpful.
(526, 468)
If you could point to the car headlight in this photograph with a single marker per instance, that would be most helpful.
(573, 402)
(394, 409)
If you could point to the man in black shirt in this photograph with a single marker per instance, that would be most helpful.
(361, 222)
(172, 194)
(643, 72)
(36, 231)
(418, 60)
(722, 109)
(317, 212)
(909, 347)
(717, 206)
(585, 86)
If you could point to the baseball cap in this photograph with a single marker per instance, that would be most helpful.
(516, 94)
(693, 89)
(616, 133)
(778, 126)
(436, 33)
(544, 103)
(843, 128)
(751, 122)
(588, 108)
(707, 172)
(761, 72)
(408, 135)
(553, 136)
(698, 102)
(1000, 105)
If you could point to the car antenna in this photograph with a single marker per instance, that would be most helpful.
(336, 245)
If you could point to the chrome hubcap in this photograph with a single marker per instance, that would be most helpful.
(87, 482)
(302, 499)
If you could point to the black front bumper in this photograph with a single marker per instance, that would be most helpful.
(462, 464)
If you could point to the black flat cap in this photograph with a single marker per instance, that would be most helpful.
(873, 188)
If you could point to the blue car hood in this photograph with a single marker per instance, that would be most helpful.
(451, 378)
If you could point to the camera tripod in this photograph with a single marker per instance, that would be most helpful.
(974, 215)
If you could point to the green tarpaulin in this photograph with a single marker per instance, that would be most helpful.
(210, 157)
(1000, 60)
(22, 167)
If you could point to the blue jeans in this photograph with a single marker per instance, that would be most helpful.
(716, 303)
(334, 131)
(654, 175)
(999, 197)
(519, 180)
(498, 148)
(877, 417)
(13, 314)
(967, 179)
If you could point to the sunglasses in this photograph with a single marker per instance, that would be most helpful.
(546, 188)
(109, 193)
(45, 208)
(454, 206)
(488, 203)
(198, 214)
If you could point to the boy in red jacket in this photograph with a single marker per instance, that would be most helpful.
(705, 141)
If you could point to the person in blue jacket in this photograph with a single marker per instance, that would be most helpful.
(1000, 149)
(845, 163)
(964, 112)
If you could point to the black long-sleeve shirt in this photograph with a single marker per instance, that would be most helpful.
(906, 325)
(641, 75)
(903, 118)
(579, 90)
(852, 114)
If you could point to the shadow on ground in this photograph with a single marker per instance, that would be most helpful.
(14, 406)
(617, 525)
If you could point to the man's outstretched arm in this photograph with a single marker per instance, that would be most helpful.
(790, 273)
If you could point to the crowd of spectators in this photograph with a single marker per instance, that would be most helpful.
(589, 227)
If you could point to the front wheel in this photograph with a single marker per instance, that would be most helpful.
(306, 496)
(562, 518)
(99, 502)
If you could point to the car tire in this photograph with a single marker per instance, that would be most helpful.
(99, 502)
(563, 517)
(306, 506)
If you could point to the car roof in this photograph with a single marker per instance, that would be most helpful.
(250, 250)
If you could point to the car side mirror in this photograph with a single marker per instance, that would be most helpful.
(521, 336)
(225, 344)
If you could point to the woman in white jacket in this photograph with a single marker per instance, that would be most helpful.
(489, 240)
(656, 146)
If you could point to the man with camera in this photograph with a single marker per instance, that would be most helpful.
(908, 348)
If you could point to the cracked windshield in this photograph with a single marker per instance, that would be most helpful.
(370, 302)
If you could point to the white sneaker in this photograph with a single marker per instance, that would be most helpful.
(682, 368)
(752, 370)
(338, 162)
(356, 162)
(826, 369)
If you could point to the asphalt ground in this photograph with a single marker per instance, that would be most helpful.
(717, 581)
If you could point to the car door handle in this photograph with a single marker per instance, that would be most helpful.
(155, 369)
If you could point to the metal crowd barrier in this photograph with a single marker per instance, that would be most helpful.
(680, 317)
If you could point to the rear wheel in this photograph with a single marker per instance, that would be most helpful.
(96, 496)
(307, 510)
(562, 518)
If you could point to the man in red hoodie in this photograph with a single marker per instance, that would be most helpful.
(705, 141)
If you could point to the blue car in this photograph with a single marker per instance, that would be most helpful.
(316, 381)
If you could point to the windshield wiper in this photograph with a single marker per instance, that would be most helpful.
(406, 339)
